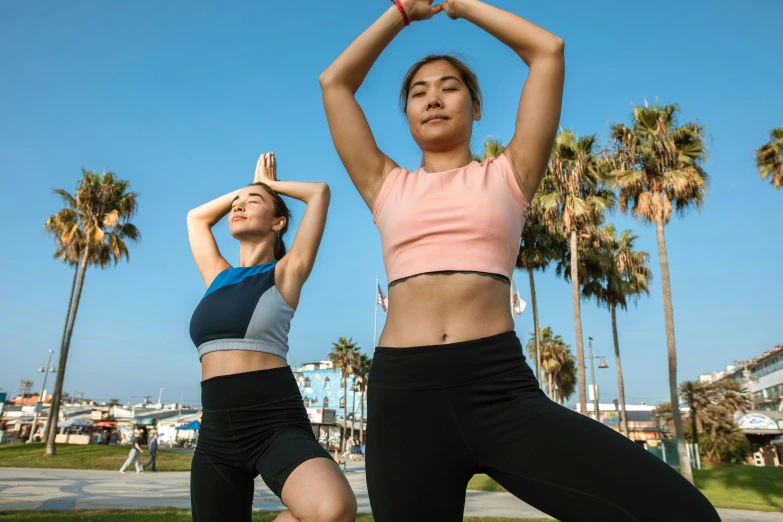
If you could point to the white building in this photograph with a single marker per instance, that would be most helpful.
(766, 379)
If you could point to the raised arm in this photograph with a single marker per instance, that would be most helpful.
(538, 115)
(202, 242)
(296, 265)
(351, 133)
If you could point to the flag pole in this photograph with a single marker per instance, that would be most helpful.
(375, 324)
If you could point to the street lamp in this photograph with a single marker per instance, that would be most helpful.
(601, 366)
(39, 405)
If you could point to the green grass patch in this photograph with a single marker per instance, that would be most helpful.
(169, 515)
(726, 486)
(91, 456)
(742, 487)
(484, 483)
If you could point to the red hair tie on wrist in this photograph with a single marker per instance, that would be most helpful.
(402, 10)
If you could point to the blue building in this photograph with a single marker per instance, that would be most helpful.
(321, 386)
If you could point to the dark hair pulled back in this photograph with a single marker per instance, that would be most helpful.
(280, 210)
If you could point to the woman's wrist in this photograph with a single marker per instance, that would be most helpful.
(402, 12)
(462, 8)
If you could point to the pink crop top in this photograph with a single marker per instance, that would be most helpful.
(467, 219)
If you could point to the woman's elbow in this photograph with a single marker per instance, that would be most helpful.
(556, 46)
(193, 218)
(326, 79)
(324, 191)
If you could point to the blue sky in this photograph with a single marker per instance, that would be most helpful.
(180, 98)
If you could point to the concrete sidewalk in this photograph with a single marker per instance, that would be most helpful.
(31, 489)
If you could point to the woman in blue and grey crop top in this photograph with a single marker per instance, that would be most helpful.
(254, 421)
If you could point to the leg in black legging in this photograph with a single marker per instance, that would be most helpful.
(564, 463)
(220, 491)
(418, 464)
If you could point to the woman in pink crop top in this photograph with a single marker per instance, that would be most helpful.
(449, 361)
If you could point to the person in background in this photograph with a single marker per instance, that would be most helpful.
(135, 453)
(153, 447)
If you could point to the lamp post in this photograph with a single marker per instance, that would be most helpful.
(601, 366)
(45, 370)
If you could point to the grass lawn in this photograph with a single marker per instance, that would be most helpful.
(726, 486)
(169, 515)
(742, 487)
(92, 456)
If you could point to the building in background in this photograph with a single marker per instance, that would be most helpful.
(322, 387)
(764, 373)
(762, 380)
(642, 424)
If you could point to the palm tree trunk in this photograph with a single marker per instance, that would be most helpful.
(685, 463)
(535, 327)
(353, 407)
(551, 387)
(620, 384)
(54, 410)
(692, 407)
(580, 349)
(345, 410)
(62, 340)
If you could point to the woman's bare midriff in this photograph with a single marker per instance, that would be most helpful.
(432, 309)
(215, 364)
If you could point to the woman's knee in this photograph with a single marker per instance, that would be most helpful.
(337, 508)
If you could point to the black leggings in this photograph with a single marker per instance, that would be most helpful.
(253, 424)
(476, 407)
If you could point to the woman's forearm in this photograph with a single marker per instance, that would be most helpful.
(352, 66)
(304, 191)
(212, 212)
(527, 39)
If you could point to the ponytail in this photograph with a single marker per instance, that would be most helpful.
(281, 210)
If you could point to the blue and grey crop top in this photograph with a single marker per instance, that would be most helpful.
(242, 310)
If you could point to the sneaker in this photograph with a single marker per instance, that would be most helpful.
(122, 472)
(139, 472)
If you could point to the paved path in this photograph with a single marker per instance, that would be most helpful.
(28, 489)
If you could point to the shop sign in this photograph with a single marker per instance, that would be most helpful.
(757, 421)
(321, 416)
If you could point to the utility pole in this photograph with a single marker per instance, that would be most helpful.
(45, 371)
(592, 376)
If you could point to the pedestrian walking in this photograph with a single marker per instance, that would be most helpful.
(135, 453)
(153, 447)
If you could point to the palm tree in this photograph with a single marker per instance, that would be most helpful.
(25, 386)
(565, 379)
(361, 371)
(493, 148)
(541, 244)
(343, 357)
(557, 364)
(94, 226)
(769, 158)
(625, 276)
(657, 168)
(64, 226)
(573, 196)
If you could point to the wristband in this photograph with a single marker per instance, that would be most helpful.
(402, 11)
